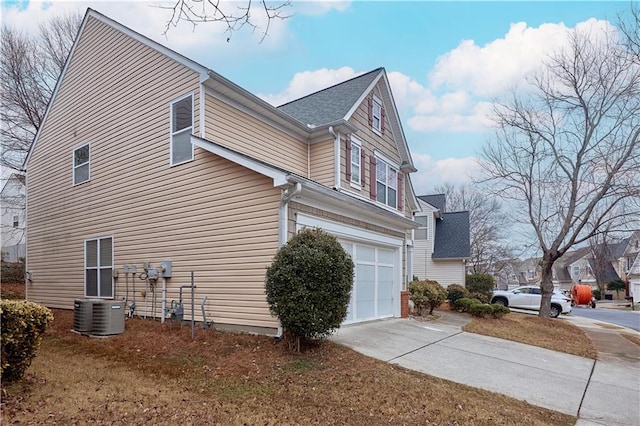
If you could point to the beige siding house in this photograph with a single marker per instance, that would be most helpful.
(441, 242)
(147, 160)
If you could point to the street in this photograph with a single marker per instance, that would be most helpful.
(624, 318)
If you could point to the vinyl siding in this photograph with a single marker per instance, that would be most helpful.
(322, 161)
(116, 96)
(244, 133)
(445, 272)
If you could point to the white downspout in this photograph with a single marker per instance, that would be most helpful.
(164, 299)
(336, 155)
(283, 216)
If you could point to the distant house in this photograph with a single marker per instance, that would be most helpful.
(441, 242)
(12, 203)
(633, 279)
(147, 160)
(512, 273)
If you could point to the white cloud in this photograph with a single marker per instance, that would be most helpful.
(497, 66)
(306, 82)
(315, 8)
(432, 173)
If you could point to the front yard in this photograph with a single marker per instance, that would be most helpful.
(152, 374)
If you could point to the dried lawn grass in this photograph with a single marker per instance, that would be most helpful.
(532, 330)
(152, 374)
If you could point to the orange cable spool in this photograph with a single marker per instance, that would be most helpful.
(581, 294)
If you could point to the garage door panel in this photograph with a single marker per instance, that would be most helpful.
(385, 290)
(365, 291)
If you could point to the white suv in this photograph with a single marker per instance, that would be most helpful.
(528, 297)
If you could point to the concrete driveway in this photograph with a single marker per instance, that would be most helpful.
(566, 383)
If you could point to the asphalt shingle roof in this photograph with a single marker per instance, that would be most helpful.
(439, 201)
(330, 104)
(452, 236)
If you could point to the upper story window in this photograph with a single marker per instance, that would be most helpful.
(376, 114)
(356, 164)
(16, 221)
(422, 233)
(386, 184)
(81, 164)
(181, 130)
(576, 272)
(98, 266)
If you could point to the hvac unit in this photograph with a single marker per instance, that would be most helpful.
(108, 318)
(83, 315)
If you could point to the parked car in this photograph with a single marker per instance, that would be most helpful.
(528, 297)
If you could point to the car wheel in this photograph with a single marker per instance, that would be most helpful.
(555, 311)
(499, 301)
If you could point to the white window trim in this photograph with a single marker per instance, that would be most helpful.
(378, 130)
(73, 164)
(426, 228)
(190, 128)
(353, 183)
(98, 267)
(15, 221)
(389, 163)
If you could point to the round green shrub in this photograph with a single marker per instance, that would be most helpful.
(455, 292)
(499, 311)
(480, 286)
(426, 293)
(23, 324)
(465, 303)
(481, 310)
(308, 285)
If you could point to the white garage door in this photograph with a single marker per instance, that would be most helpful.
(378, 272)
(373, 295)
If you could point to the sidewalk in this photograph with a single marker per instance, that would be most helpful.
(606, 391)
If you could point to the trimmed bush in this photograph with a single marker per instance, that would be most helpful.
(481, 310)
(426, 293)
(12, 272)
(464, 304)
(308, 286)
(455, 292)
(480, 286)
(499, 311)
(597, 293)
(22, 326)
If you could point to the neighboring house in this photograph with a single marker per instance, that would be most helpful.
(512, 273)
(146, 156)
(441, 242)
(12, 203)
(633, 278)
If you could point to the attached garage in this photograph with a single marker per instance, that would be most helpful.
(378, 268)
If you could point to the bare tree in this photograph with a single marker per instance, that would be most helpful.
(629, 24)
(600, 248)
(488, 223)
(567, 151)
(29, 69)
(235, 15)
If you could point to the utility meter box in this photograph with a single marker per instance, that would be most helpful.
(165, 267)
(152, 273)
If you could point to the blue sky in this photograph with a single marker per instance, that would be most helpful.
(446, 60)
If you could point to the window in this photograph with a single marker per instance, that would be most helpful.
(16, 221)
(376, 115)
(422, 233)
(181, 129)
(81, 164)
(98, 266)
(355, 163)
(576, 271)
(532, 274)
(386, 184)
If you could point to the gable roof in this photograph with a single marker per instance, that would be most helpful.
(439, 201)
(14, 178)
(340, 101)
(330, 104)
(452, 237)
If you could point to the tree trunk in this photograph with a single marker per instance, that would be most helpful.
(546, 285)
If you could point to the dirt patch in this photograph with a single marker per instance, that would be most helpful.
(13, 291)
(152, 374)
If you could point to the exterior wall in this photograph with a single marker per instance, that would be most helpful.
(116, 95)
(322, 162)
(241, 132)
(371, 142)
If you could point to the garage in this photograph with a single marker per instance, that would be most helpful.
(377, 274)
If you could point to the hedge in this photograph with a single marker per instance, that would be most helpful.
(23, 324)
(426, 293)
